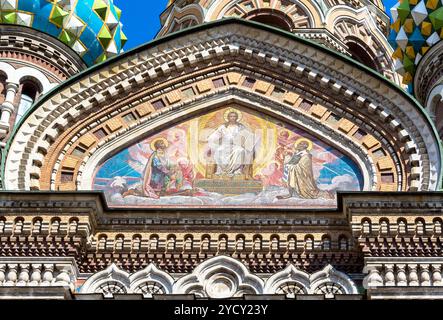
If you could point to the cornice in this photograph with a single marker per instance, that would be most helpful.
(42, 46)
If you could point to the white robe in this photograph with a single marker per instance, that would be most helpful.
(232, 147)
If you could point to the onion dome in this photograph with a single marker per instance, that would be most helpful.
(92, 28)
(416, 28)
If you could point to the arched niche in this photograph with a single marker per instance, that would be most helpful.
(231, 155)
(360, 52)
(435, 107)
(300, 14)
(273, 18)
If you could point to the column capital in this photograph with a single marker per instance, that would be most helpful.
(4, 127)
(12, 86)
(7, 106)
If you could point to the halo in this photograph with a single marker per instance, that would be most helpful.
(309, 142)
(156, 140)
(230, 110)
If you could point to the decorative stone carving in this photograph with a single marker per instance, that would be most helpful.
(150, 281)
(403, 272)
(374, 278)
(147, 282)
(109, 288)
(32, 273)
(291, 280)
(331, 281)
(220, 277)
(110, 281)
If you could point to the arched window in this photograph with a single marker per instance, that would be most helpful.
(18, 225)
(437, 226)
(73, 226)
(223, 243)
(326, 243)
(329, 290)
(150, 288)
(258, 243)
(402, 227)
(170, 246)
(366, 226)
(292, 243)
(309, 243)
(3, 79)
(290, 290)
(205, 243)
(153, 242)
(189, 243)
(362, 54)
(439, 115)
(275, 243)
(55, 225)
(136, 242)
(187, 23)
(102, 239)
(2, 224)
(37, 225)
(420, 227)
(240, 246)
(108, 289)
(119, 242)
(29, 95)
(384, 227)
(273, 18)
(343, 243)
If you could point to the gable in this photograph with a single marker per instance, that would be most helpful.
(72, 132)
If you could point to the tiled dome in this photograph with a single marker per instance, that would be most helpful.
(416, 28)
(91, 27)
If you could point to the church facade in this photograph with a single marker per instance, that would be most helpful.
(266, 149)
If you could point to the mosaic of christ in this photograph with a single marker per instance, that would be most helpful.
(230, 157)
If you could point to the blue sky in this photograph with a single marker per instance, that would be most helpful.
(141, 19)
(389, 4)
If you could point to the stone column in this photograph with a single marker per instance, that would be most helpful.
(64, 278)
(374, 279)
(2, 274)
(12, 275)
(402, 279)
(413, 275)
(389, 275)
(36, 275)
(23, 278)
(425, 277)
(436, 276)
(7, 107)
(48, 275)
